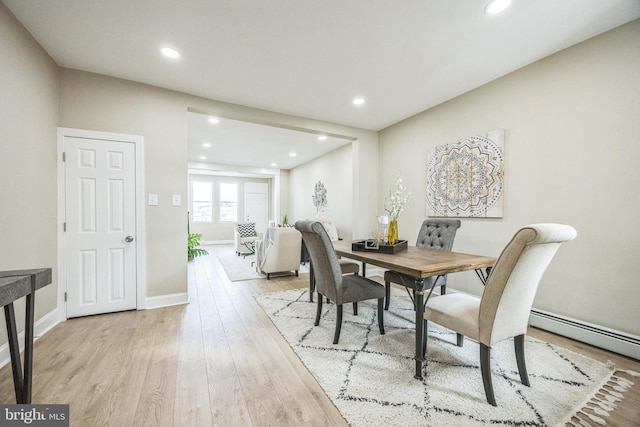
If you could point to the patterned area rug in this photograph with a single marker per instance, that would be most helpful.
(369, 376)
(243, 268)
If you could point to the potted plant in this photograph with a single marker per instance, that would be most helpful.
(193, 241)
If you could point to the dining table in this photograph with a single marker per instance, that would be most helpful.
(419, 263)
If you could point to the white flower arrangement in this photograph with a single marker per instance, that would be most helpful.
(398, 197)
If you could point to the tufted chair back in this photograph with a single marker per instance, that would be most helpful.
(435, 234)
(438, 233)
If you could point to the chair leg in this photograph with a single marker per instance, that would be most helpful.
(381, 315)
(355, 308)
(424, 339)
(268, 276)
(485, 368)
(336, 337)
(522, 367)
(459, 339)
(443, 289)
(319, 311)
(387, 295)
(296, 273)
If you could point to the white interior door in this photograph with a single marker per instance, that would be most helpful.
(255, 204)
(100, 220)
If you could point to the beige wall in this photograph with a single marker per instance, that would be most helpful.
(335, 171)
(28, 120)
(96, 102)
(572, 151)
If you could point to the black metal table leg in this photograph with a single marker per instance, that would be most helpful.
(419, 326)
(14, 351)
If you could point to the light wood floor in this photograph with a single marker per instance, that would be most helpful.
(216, 361)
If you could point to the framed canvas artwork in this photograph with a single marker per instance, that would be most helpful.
(466, 178)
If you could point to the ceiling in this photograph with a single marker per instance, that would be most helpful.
(310, 59)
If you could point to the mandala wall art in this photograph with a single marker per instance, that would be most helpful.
(466, 179)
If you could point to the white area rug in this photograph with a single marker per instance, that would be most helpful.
(240, 268)
(369, 376)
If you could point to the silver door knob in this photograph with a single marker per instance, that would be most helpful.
(128, 239)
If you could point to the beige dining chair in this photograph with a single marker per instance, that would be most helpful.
(331, 283)
(503, 310)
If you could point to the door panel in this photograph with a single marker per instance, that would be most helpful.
(100, 215)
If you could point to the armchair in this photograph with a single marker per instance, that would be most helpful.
(244, 237)
(279, 251)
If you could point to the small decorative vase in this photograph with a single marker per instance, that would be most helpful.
(392, 234)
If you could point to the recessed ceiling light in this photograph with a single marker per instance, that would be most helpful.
(170, 53)
(274, 164)
(292, 154)
(322, 137)
(358, 101)
(203, 157)
(496, 6)
(206, 144)
(213, 120)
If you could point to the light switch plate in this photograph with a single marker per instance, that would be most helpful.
(176, 200)
(153, 199)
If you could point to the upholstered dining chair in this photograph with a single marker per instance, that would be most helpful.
(435, 234)
(329, 280)
(503, 310)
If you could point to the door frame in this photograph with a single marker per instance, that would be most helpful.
(141, 248)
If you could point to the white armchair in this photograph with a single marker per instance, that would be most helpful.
(279, 251)
(245, 237)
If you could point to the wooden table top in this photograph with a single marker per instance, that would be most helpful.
(417, 261)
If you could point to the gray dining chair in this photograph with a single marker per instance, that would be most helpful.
(330, 281)
(503, 310)
(435, 234)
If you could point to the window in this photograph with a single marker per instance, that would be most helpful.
(228, 202)
(202, 202)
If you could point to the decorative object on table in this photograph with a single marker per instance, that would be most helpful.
(466, 179)
(193, 251)
(320, 197)
(394, 204)
(285, 220)
(369, 377)
(381, 232)
(372, 245)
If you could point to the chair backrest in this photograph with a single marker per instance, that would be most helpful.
(438, 233)
(246, 229)
(280, 247)
(326, 267)
(512, 285)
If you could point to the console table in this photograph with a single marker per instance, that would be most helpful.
(14, 285)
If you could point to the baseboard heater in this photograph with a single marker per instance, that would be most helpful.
(599, 336)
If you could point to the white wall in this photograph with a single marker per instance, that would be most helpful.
(335, 171)
(572, 151)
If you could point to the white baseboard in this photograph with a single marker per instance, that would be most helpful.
(167, 300)
(598, 336)
(41, 327)
(216, 242)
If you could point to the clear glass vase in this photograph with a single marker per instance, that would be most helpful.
(392, 233)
